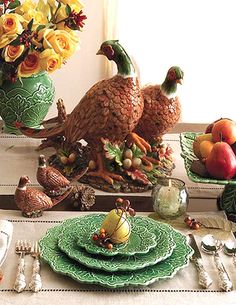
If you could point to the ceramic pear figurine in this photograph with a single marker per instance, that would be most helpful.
(115, 228)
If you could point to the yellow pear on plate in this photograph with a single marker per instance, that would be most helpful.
(117, 226)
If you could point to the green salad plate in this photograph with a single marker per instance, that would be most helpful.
(141, 240)
(163, 233)
(61, 263)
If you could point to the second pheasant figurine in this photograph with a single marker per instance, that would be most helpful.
(50, 178)
(161, 107)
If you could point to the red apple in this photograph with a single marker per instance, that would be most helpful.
(224, 130)
(210, 126)
(221, 163)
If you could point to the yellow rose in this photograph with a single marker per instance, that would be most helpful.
(62, 42)
(11, 24)
(25, 7)
(30, 66)
(6, 39)
(11, 53)
(49, 60)
(37, 16)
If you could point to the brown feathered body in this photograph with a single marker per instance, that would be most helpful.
(51, 179)
(33, 201)
(29, 200)
(110, 109)
(160, 113)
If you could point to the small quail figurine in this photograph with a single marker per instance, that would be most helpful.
(33, 201)
(51, 179)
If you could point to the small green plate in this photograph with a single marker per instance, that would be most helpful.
(62, 264)
(141, 240)
(164, 248)
(186, 143)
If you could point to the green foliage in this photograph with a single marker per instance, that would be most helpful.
(137, 153)
(16, 42)
(227, 201)
(30, 24)
(114, 152)
(40, 27)
(14, 4)
(152, 175)
(68, 10)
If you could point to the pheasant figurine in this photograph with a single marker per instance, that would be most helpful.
(50, 178)
(161, 107)
(110, 109)
(32, 201)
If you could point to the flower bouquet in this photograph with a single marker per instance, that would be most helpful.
(36, 38)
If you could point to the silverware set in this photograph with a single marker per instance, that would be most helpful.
(212, 246)
(23, 248)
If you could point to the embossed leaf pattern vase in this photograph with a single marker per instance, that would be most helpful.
(27, 101)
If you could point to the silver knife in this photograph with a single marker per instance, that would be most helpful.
(204, 279)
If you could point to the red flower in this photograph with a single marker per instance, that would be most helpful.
(76, 20)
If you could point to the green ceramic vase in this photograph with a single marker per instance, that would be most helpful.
(27, 101)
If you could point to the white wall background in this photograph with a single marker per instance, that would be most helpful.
(197, 35)
(84, 68)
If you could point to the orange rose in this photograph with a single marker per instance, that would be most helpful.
(30, 65)
(11, 53)
(50, 60)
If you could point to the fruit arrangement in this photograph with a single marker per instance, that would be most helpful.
(115, 228)
(216, 150)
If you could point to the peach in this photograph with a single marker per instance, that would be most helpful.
(198, 140)
(205, 148)
(224, 130)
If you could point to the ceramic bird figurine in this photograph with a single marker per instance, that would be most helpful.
(50, 178)
(110, 109)
(161, 106)
(32, 201)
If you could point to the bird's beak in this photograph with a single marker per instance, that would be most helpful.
(179, 81)
(100, 52)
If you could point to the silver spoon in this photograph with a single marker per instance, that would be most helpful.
(210, 245)
(230, 249)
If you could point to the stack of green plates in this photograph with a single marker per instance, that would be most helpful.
(154, 251)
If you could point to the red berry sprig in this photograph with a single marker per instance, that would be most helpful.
(192, 223)
(102, 239)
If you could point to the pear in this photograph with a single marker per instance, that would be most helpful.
(117, 226)
(221, 163)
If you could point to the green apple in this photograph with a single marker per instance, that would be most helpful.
(117, 226)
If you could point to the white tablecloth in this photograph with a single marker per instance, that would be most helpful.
(183, 289)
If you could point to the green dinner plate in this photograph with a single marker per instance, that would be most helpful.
(62, 264)
(186, 143)
(141, 240)
(164, 240)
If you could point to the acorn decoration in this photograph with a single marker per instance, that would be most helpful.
(115, 228)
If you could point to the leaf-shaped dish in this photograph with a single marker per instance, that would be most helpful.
(186, 143)
(165, 246)
(141, 240)
(62, 264)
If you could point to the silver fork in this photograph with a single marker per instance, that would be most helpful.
(22, 248)
(36, 282)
